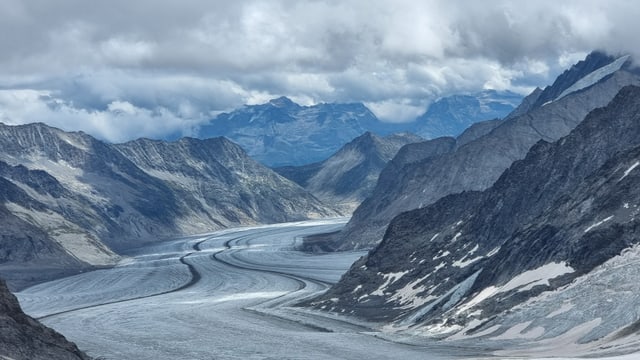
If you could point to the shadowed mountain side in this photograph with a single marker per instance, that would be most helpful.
(349, 176)
(72, 202)
(463, 265)
(476, 164)
(22, 337)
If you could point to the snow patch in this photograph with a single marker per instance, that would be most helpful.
(630, 169)
(482, 296)
(389, 279)
(516, 332)
(523, 282)
(563, 309)
(493, 252)
(464, 263)
(593, 226)
(408, 295)
(441, 254)
(540, 276)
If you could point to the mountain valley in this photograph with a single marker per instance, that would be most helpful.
(72, 202)
(510, 232)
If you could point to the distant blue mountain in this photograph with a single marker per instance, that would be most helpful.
(450, 116)
(281, 132)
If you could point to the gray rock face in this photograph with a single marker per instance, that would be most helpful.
(23, 243)
(23, 338)
(105, 198)
(71, 201)
(477, 164)
(221, 185)
(527, 104)
(477, 131)
(349, 176)
(463, 265)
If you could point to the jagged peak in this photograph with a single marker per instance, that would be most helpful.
(593, 61)
(367, 138)
(282, 102)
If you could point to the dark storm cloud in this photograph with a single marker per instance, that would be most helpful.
(121, 68)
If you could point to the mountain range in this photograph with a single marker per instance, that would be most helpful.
(476, 163)
(452, 115)
(542, 256)
(71, 202)
(521, 229)
(283, 133)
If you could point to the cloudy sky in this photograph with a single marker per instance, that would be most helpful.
(122, 69)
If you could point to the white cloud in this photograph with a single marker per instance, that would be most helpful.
(196, 58)
(120, 51)
(396, 110)
(116, 123)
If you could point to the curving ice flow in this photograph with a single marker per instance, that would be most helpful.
(226, 295)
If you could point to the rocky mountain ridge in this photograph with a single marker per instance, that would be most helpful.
(283, 133)
(73, 201)
(477, 164)
(349, 175)
(515, 262)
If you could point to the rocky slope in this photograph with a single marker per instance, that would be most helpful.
(221, 185)
(71, 201)
(30, 233)
(22, 337)
(409, 154)
(349, 175)
(526, 260)
(477, 164)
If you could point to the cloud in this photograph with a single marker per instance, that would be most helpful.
(116, 123)
(178, 64)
